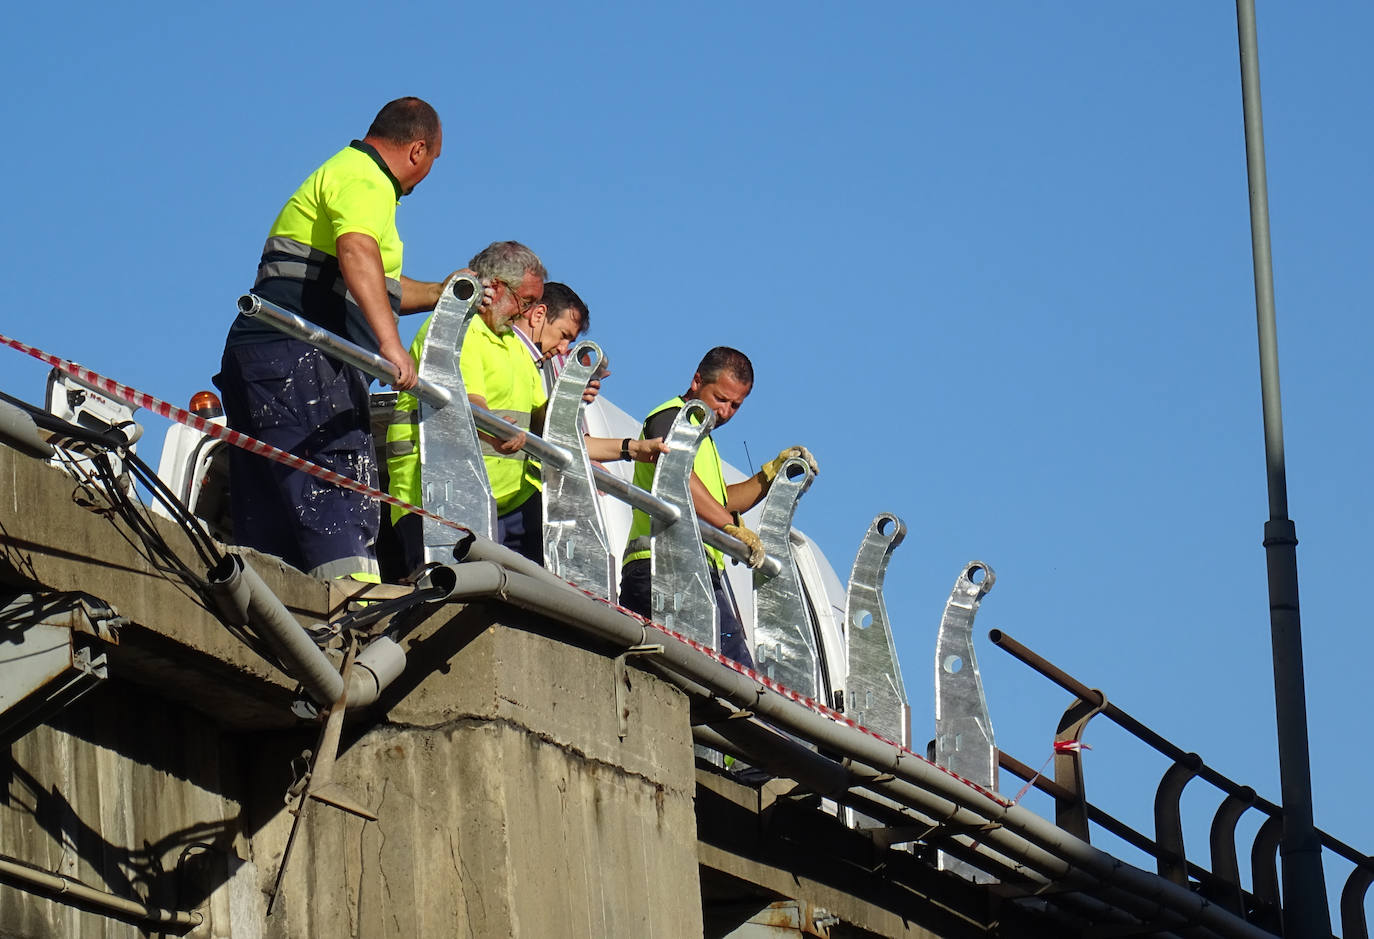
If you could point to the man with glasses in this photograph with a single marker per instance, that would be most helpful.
(499, 374)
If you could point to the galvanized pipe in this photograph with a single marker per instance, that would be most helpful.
(437, 396)
(18, 430)
(1306, 915)
(613, 485)
(245, 600)
(1016, 832)
(335, 346)
(59, 887)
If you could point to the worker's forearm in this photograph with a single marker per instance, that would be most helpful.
(419, 296)
(743, 496)
(708, 509)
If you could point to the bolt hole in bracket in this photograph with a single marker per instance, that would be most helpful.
(963, 728)
(575, 544)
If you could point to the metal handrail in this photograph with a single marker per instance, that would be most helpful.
(1120, 717)
(297, 327)
(438, 396)
(1358, 881)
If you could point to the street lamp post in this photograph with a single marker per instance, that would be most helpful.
(1304, 890)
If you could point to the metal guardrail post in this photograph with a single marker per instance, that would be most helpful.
(1172, 860)
(1264, 875)
(1071, 813)
(963, 725)
(575, 543)
(453, 477)
(1227, 889)
(1353, 922)
(874, 694)
(682, 595)
(785, 641)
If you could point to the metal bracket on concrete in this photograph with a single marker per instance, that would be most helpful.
(317, 783)
(963, 727)
(49, 655)
(683, 599)
(453, 477)
(575, 544)
(874, 694)
(622, 682)
(785, 644)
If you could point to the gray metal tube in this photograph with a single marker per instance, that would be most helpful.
(59, 887)
(1018, 832)
(18, 430)
(246, 601)
(438, 396)
(645, 501)
(370, 362)
(535, 446)
(1306, 914)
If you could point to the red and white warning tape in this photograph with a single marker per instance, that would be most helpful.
(136, 398)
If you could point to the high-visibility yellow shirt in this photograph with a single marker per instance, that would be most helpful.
(708, 469)
(353, 192)
(500, 370)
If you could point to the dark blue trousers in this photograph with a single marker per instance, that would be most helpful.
(294, 397)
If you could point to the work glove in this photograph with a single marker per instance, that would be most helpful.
(751, 541)
(774, 466)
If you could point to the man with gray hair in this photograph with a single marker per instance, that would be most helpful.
(499, 374)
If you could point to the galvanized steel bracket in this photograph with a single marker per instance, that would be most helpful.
(785, 644)
(683, 598)
(575, 543)
(874, 694)
(453, 477)
(963, 728)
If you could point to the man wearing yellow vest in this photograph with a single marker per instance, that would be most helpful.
(333, 255)
(499, 374)
(722, 381)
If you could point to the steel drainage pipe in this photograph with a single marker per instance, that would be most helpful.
(64, 888)
(244, 600)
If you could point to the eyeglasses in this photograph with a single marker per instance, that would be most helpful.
(522, 304)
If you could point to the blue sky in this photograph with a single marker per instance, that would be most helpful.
(992, 263)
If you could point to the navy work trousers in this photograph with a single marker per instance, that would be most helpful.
(289, 394)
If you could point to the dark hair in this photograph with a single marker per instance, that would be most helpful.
(723, 359)
(405, 120)
(560, 298)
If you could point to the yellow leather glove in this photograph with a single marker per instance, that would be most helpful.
(751, 541)
(774, 466)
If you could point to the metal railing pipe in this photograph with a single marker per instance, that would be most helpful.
(300, 328)
(1121, 718)
(613, 485)
(438, 396)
